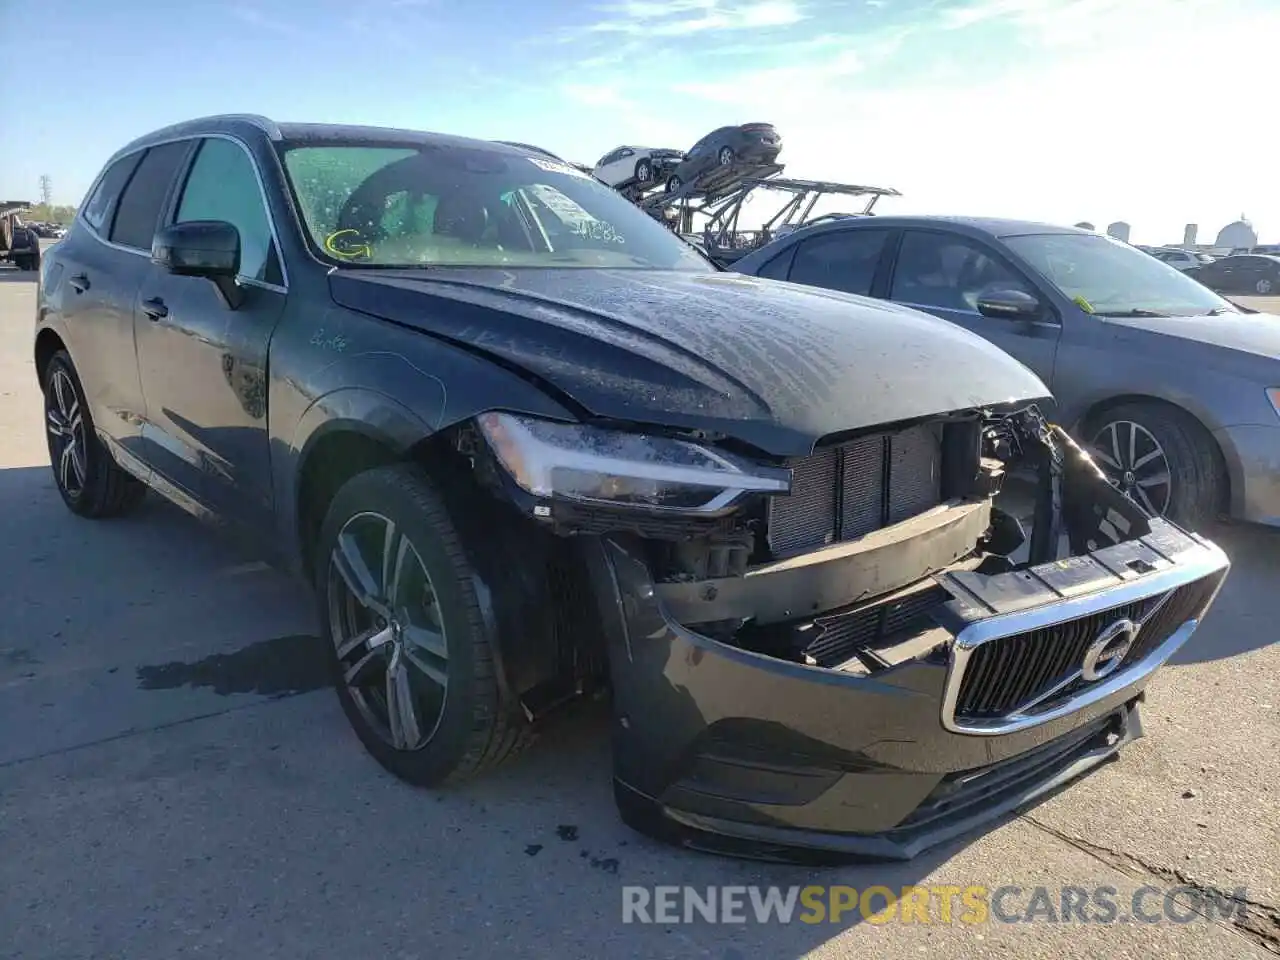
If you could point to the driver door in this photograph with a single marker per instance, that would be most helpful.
(203, 365)
(944, 273)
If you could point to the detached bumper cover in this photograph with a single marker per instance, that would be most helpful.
(719, 748)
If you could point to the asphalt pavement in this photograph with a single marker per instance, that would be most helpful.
(176, 780)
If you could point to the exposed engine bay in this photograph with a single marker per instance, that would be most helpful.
(863, 603)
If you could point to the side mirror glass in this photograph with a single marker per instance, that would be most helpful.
(199, 248)
(1009, 304)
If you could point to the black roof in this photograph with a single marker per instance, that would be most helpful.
(245, 124)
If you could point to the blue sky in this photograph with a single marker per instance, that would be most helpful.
(1159, 112)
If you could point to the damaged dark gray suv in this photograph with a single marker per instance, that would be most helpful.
(527, 444)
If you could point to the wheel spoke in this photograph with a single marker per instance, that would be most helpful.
(59, 393)
(1115, 445)
(1133, 446)
(401, 712)
(373, 638)
(353, 569)
(1145, 459)
(361, 673)
(64, 467)
(397, 553)
(57, 427)
(1146, 500)
(77, 461)
(1099, 454)
(1158, 480)
(430, 666)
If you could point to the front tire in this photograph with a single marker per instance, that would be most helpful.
(644, 172)
(674, 183)
(90, 482)
(411, 658)
(1163, 458)
(1264, 286)
(726, 156)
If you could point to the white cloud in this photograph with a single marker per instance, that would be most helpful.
(685, 17)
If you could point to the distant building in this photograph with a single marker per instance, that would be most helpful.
(1118, 231)
(1189, 233)
(1085, 225)
(1238, 234)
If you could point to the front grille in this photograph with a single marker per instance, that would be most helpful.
(1006, 673)
(841, 634)
(846, 491)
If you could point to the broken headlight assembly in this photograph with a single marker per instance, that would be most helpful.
(592, 465)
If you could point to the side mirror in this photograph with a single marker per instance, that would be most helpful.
(1009, 305)
(199, 248)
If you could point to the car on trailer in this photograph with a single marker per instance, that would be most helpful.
(745, 145)
(641, 167)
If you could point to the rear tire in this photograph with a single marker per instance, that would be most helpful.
(410, 655)
(673, 184)
(644, 172)
(91, 483)
(1197, 485)
(726, 156)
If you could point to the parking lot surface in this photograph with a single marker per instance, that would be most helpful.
(176, 780)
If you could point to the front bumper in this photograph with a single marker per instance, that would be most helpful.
(720, 748)
(1252, 455)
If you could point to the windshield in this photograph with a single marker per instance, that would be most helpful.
(424, 205)
(1108, 277)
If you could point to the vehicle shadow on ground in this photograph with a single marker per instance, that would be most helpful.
(10, 275)
(1244, 616)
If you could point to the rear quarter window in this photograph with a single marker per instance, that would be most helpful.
(98, 206)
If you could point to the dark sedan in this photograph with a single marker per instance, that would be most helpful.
(1113, 331)
(1246, 274)
(749, 143)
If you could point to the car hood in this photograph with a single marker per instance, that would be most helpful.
(1249, 335)
(774, 365)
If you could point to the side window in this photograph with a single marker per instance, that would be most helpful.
(98, 207)
(222, 185)
(845, 260)
(138, 212)
(779, 266)
(947, 271)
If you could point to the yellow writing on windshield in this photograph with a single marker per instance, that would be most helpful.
(350, 249)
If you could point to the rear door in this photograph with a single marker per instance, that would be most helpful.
(944, 273)
(103, 265)
(203, 364)
(847, 260)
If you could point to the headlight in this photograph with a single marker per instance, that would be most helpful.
(1273, 394)
(590, 464)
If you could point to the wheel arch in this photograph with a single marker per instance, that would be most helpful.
(48, 342)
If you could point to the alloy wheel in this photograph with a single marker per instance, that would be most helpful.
(726, 156)
(65, 422)
(1263, 286)
(1131, 456)
(387, 631)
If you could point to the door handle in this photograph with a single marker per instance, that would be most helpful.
(155, 308)
(79, 283)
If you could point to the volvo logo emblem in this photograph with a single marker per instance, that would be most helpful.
(1108, 650)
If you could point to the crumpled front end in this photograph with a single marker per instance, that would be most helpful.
(862, 671)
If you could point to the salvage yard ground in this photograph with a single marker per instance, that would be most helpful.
(175, 779)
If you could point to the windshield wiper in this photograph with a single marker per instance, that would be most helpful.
(1219, 312)
(1135, 312)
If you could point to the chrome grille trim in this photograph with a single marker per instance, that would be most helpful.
(1200, 560)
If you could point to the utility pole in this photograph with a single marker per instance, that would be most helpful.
(46, 190)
